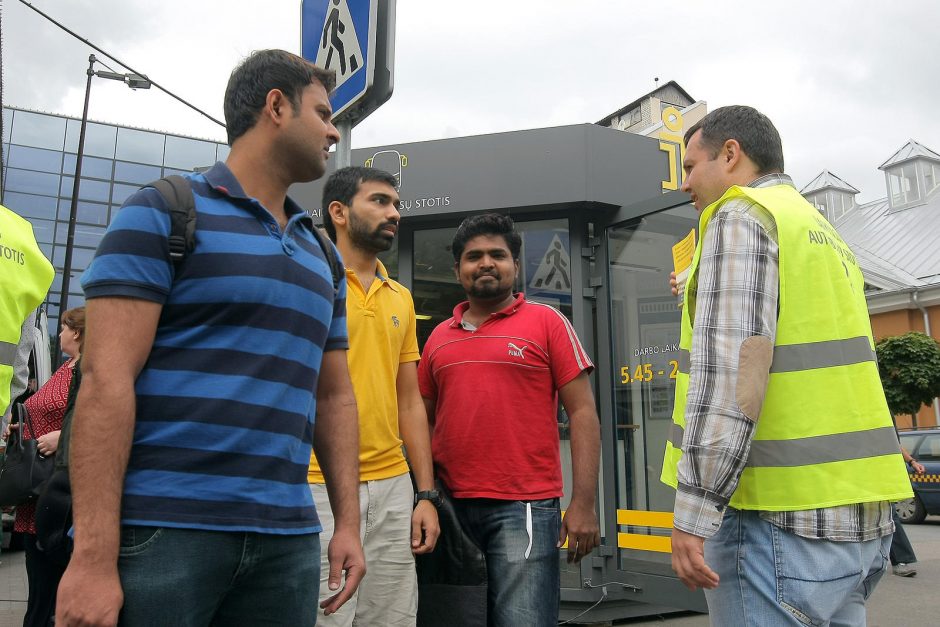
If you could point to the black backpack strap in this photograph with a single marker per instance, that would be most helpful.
(330, 253)
(178, 194)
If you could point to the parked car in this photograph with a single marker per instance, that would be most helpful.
(924, 446)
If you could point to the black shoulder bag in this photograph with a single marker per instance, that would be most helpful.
(24, 470)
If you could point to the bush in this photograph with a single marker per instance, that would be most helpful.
(909, 365)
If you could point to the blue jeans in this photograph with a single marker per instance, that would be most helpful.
(188, 577)
(901, 550)
(521, 590)
(770, 577)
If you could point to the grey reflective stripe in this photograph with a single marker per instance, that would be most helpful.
(822, 449)
(795, 357)
(685, 361)
(7, 353)
(676, 433)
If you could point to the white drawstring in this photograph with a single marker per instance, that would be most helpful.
(528, 527)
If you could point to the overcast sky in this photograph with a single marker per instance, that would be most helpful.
(846, 83)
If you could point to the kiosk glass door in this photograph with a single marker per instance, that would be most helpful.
(644, 331)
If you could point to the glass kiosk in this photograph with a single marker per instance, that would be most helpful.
(597, 236)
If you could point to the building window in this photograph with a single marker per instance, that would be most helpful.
(99, 139)
(35, 159)
(90, 189)
(186, 154)
(30, 182)
(94, 167)
(30, 206)
(931, 170)
(140, 146)
(909, 176)
(135, 173)
(38, 130)
(903, 185)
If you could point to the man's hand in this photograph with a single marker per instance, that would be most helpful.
(425, 528)
(89, 595)
(673, 283)
(579, 527)
(346, 556)
(918, 467)
(688, 561)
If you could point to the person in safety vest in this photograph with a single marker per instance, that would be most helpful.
(782, 451)
(25, 277)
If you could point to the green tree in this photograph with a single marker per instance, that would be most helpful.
(909, 365)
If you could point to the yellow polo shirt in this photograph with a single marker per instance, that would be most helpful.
(382, 334)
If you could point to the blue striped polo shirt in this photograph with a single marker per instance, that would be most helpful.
(226, 400)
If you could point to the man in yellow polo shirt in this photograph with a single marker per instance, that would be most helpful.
(360, 214)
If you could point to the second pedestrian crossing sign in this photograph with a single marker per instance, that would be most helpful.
(339, 35)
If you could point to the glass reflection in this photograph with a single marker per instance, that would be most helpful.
(93, 167)
(29, 205)
(135, 173)
(99, 139)
(141, 146)
(186, 154)
(30, 182)
(37, 130)
(34, 159)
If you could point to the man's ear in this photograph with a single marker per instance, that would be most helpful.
(277, 106)
(337, 211)
(731, 153)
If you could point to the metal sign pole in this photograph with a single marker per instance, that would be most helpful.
(344, 147)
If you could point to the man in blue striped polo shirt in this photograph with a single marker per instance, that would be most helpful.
(195, 418)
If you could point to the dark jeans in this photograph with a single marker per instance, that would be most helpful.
(521, 590)
(43, 575)
(901, 550)
(188, 577)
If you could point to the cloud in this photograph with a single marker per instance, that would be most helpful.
(847, 83)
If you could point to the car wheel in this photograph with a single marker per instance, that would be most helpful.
(911, 511)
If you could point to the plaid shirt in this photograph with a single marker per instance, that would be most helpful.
(736, 299)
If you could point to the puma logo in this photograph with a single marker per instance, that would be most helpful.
(515, 351)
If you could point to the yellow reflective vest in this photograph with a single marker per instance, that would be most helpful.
(824, 436)
(25, 277)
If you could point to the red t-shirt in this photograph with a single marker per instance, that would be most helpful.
(46, 410)
(495, 392)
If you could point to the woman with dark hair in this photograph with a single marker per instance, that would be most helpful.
(46, 409)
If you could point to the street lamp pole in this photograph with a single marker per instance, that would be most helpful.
(73, 208)
(134, 81)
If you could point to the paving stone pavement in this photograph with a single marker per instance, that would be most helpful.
(896, 601)
(13, 590)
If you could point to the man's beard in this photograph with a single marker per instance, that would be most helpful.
(490, 290)
(377, 241)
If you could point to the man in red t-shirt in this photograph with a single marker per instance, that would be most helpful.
(491, 377)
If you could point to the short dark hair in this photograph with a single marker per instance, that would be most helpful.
(258, 74)
(344, 184)
(757, 135)
(486, 224)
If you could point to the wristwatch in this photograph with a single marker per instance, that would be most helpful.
(430, 495)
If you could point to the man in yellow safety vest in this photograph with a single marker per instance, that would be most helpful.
(782, 451)
(25, 277)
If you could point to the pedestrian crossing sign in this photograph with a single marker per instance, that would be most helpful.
(339, 35)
